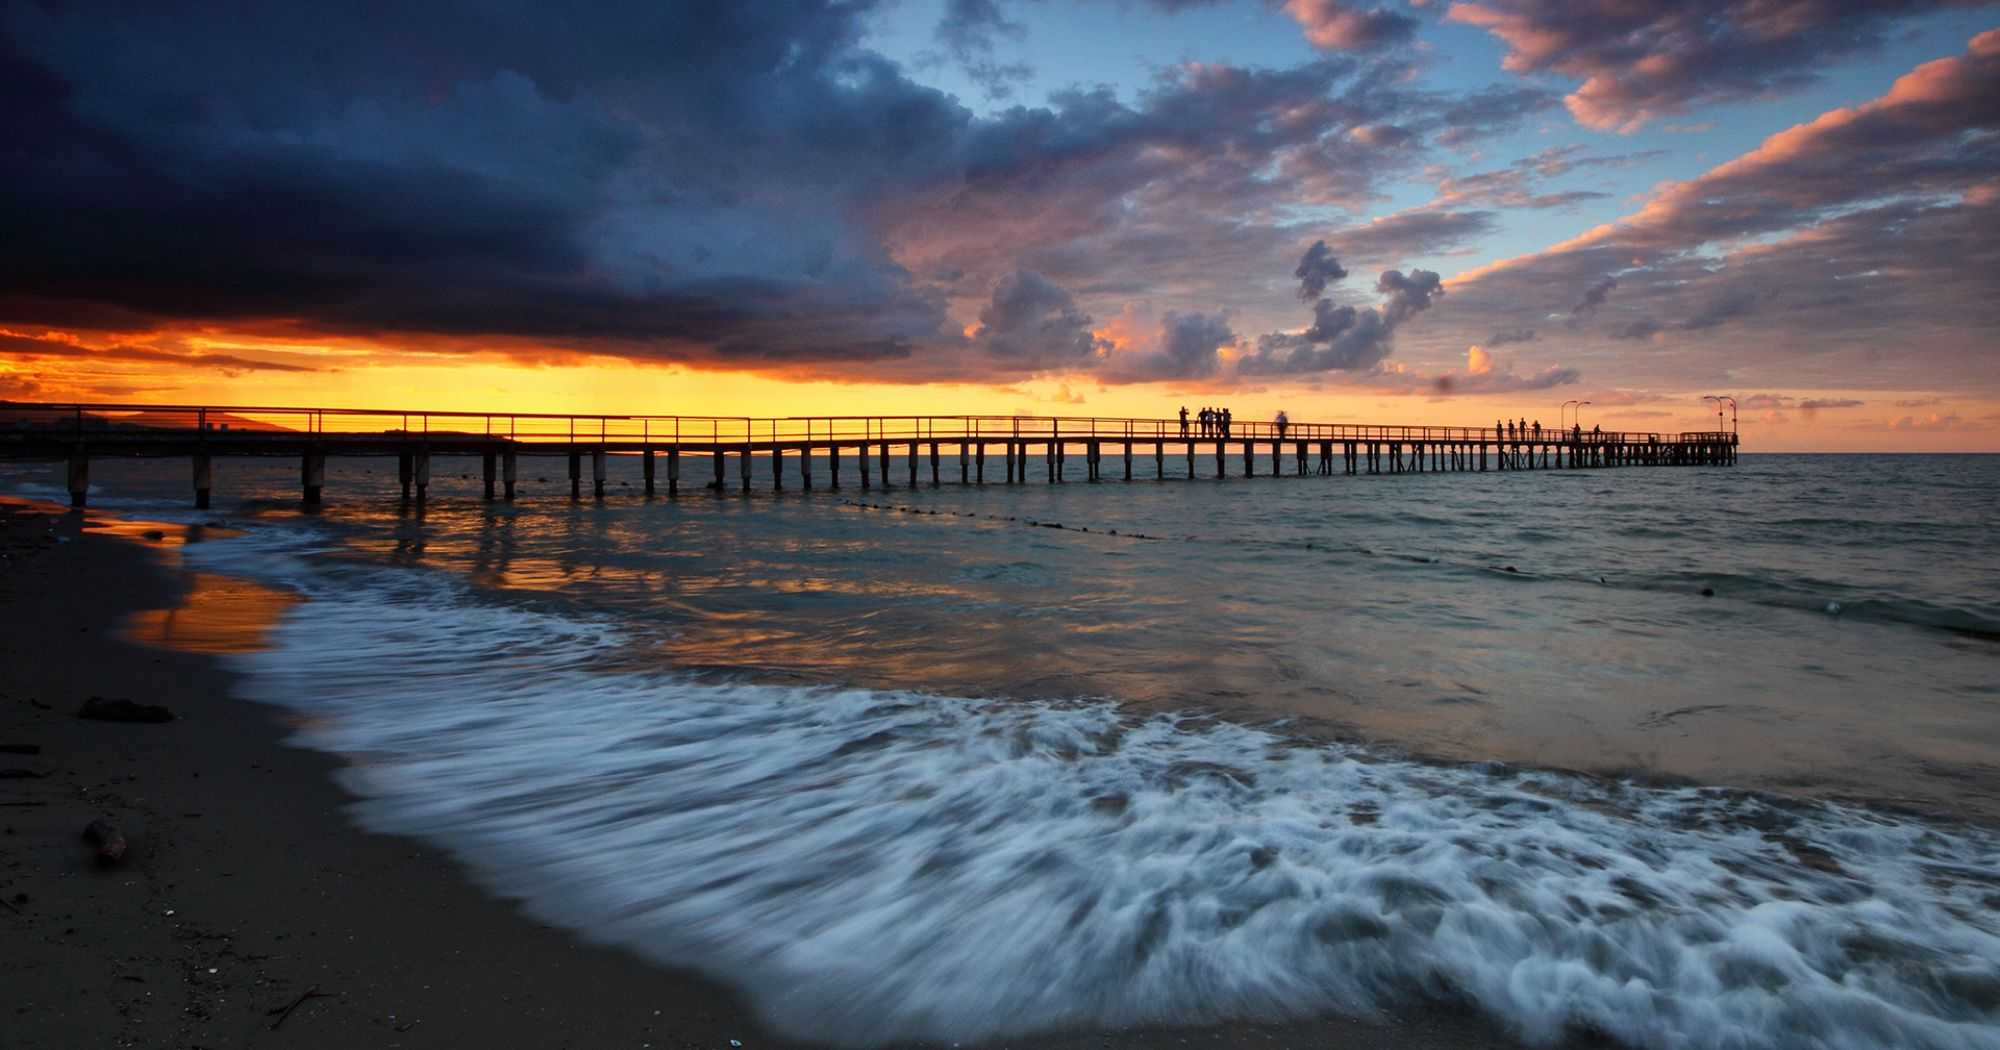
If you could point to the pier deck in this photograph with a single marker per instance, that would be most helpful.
(1107, 447)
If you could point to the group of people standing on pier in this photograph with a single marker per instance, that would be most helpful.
(1214, 422)
(1522, 430)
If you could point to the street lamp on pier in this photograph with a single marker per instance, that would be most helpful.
(1719, 399)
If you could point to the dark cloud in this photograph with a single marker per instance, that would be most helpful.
(1812, 404)
(967, 33)
(967, 28)
(1406, 297)
(1511, 335)
(1593, 297)
(1031, 323)
(1187, 349)
(1316, 269)
(1643, 59)
(1344, 338)
(1493, 110)
(1644, 328)
(456, 169)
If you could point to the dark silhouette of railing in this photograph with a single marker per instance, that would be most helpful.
(245, 422)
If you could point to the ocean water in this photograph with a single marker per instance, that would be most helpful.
(1693, 757)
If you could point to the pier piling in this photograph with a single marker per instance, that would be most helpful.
(312, 476)
(79, 477)
(204, 480)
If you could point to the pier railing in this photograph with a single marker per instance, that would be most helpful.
(241, 421)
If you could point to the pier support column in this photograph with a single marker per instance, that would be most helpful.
(964, 463)
(833, 467)
(1221, 459)
(1249, 459)
(1190, 459)
(204, 479)
(1055, 465)
(777, 468)
(648, 469)
(575, 475)
(884, 452)
(510, 469)
(934, 465)
(806, 468)
(597, 473)
(913, 464)
(79, 477)
(312, 476)
(1128, 461)
(979, 463)
(862, 458)
(1159, 460)
(403, 469)
(743, 471)
(488, 466)
(721, 482)
(423, 471)
(674, 471)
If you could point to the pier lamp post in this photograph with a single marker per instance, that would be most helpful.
(1718, 399)
(1563, 412)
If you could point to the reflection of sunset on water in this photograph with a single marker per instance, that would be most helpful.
(218, 614)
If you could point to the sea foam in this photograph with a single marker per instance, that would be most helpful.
(870, 866)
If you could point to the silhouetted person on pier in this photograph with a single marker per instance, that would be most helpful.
(1281, 422)
(1579, 433)
(1184, 421)
(1207, 419)
(1225, 422)
(1596, 430)
(1499, 430)
(1538, 430)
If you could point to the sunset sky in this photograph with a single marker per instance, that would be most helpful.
(1435, 212)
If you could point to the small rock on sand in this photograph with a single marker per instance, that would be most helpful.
(110, 842)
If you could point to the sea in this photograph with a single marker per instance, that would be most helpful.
(1686, 757)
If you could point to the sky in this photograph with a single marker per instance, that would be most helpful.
(1413, 212)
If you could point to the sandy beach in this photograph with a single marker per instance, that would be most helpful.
(246, 892)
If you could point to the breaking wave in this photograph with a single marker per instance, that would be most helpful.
(871, 866)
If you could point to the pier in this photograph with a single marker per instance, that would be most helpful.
(717, 453)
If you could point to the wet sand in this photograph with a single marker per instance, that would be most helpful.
(246, 888)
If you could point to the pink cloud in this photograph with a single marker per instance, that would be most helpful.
(1639, 60)
(1338, 26)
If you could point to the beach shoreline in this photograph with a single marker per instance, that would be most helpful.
(248, 890)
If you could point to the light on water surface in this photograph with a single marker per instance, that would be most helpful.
(903, 775)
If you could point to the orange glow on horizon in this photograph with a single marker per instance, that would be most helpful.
(351, 373)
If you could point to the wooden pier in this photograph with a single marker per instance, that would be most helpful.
(698, 448)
